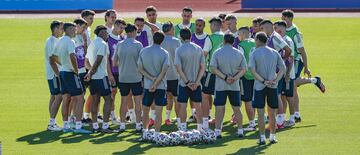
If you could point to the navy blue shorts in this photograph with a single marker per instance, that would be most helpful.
(299, 66)
(100, 86)
(185, 93)
(208, 83)
(70, 84)
(172, 87)
(246, 89)
(221, 96)
(85, 84)
(286, 90)
(135, 88)
(116, 84)
(159, 96)
(271, 96)
(54, 86)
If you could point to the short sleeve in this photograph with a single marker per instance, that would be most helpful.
(166, 60)
(299, 40)
(71, 47)
(279, 42)
(139, 61)
(241, 50)
(207, 44)
(213, 61)
(252, 61)
(177, 60)
(102, 50)
(48, 50)
(243, 61)
(202, 58)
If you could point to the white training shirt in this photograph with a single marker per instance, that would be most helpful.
(98, 47)
(63, 49)
(49, 49)
(207, 44)
(278, 41)
(88, 35)
(292, 47)
(149, 32)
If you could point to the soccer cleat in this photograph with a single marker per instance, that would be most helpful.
(297, 119)
(54, 128)
(168, 122)
(250, 128)
(280, 126)
(233, 119)
(191, 119)
(319, 84)
(86, 122)
(109, 130)
(240, 135)
(82, 131)
(151, 122)
(100, 119)
(261, 142)
(273, 141)
(115, 121)
(289, 123)
(218, 137)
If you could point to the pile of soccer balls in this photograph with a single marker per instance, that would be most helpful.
(189, 137)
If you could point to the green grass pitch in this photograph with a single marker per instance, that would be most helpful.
(330, 121)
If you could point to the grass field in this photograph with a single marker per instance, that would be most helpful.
(330, 121)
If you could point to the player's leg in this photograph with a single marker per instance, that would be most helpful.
(54, 103)
(87, 109)
(246, 88)
(152, 115)
(273, 104)
(170, 101)
(195, 97)
(94, 111)
(147, 101)
(219, 102)
(125, 97)
(259, 104)
(280, 117)
(160, 101)
(105, 91)
(65, 111)
(137, 91)
(296, 104)
(289, 96)
(234, 97)
(182, 102)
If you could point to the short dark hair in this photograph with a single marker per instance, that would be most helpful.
(120, 21)
(167, 27)
(229, 38)
(187, 9)
(230, 17)
(245, 28)
(258, 19)
(67, 25)
(185, 34)
(130, 28)
(266, 21)
(215, 19)
(288, 13)
(261, 36)
(280, 23)
(141, 19)
(108, 12)
(85, 13)
(222, 16)
(200, 19)
(150, 8)
(80, 21)
(158, 37)
(55, 24)
(99, 28)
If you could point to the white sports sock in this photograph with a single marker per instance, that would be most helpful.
(297, 114)
(272, 136)
(183, 126)
(252, 123)
(262, 137)
(313, 80)
(167, 115)
(95, 125)
(205, 122)
(86, 115)
(112, 115)
(178, 122)
(240, 131)
(292, 118)
(66, 125)
(105, 125)
(132, 114)
(138, 126)
(99, 114)
(199, 127)
(217, 132)
(78, 125)
(52, 121)
(152, 114)
(279, 119)
(193, 111)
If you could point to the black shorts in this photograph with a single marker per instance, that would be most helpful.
(221, 96)
(271, 96)
(208, 83)
(172, 87)
(286, 89)
(116, 78)
(246, 89)
(159, 97)
(185, 93)
(135, 88)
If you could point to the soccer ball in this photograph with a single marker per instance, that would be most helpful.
(209, 136)
(188, 138)
(162, 139)
(175, 138)
(149, 135)
(196, 137)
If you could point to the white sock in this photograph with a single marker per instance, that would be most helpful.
(138, 126)
(52, 121)
(86, 115)
(183, 126)
(105, 125)
(167, 115)
(132, 114)
(112, 115)
(78, 125)
(292, 118)
(122, 126)
(199, 127)
(272, 136)
(252, 123)
(279, 119)
(152, 114)
(99, 114)
(262, 137)
(313, 80)
(205, 122)
(240, 131)
(193, 111)
(178, 122)
(297, 114)
(66, 125)
(217, 132)
(95, 125)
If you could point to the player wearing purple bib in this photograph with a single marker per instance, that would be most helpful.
(52, 67)
(114, 38)
(231, 21)
(142, 35)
